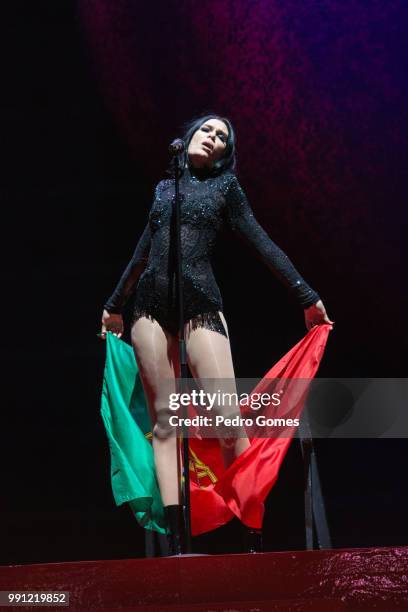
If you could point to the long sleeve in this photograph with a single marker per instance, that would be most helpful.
(241, 219)
(131, 274)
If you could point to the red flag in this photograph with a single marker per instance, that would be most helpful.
(218, 494)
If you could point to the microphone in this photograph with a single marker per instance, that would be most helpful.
(176, 147)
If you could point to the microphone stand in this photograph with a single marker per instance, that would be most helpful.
(180, 383)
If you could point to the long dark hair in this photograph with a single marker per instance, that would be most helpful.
(227, 162)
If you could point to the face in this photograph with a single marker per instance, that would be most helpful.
(208, 143)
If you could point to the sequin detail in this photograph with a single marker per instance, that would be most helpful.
(207, 203)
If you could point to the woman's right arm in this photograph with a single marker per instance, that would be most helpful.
(131, 275)
(112, 313)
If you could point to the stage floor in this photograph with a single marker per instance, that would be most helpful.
(357, 579)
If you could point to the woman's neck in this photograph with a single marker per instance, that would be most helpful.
(199, 172)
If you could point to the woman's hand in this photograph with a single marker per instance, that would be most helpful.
(316, 315)
(112, 323)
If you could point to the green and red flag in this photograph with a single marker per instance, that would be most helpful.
(217, 494)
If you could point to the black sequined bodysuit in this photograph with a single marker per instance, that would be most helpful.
(207, 203)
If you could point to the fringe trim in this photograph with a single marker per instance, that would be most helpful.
(206, 320)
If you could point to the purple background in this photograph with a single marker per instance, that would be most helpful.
(317, 93)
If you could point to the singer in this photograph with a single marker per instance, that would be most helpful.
(211, 196)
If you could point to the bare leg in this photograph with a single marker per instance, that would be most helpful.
(156, 354)
(209, 357)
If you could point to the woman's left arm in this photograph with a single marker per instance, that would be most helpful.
(241, 219)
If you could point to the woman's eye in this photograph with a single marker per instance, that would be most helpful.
(222, 137)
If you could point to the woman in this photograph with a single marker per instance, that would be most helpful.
(212, 197)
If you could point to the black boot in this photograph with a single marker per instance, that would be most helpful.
(252, 540)
(175, 522)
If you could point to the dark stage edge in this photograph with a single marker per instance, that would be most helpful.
(357, 579)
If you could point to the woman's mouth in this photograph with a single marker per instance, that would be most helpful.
(207, 146)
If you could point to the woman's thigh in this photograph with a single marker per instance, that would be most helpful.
(209, 352)
(156, 352)
(210, 361)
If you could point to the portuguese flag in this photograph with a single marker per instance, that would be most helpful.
(217, 494)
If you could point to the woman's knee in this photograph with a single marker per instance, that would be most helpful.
(163, 427)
